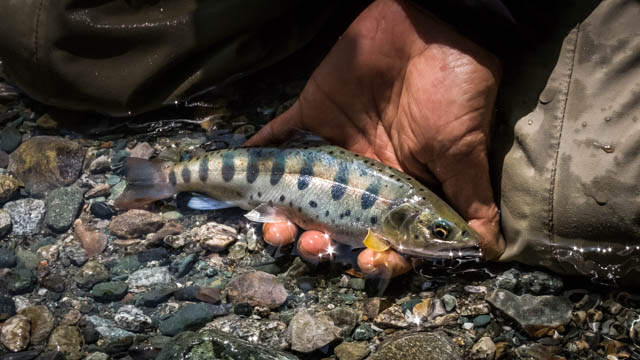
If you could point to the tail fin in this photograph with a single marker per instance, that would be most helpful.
(147, 181)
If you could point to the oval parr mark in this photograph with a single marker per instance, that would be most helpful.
(186, 174)
(228, 170)
(172, 178)
(340, 181)
(253, 168)
(369, 196)
(278, 168)
(203, 169)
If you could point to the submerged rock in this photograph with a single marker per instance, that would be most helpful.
(190, 317)
(8, 258)
(26, 215)
(258, 289)
(135, 223)
(42, 322)
(90, 274)
(150, 277)
(7, 307)
(47, 162)
(67, 339)
(213, 344)
(63, 206)
(419, 346)
(93, 242)
(484, 349)
(270, 333)
(9, 186)
(132, 318)
(537, 315)
(309, 332)
(115, 339)
(352, 350)
(10, 139)
(15, 333)
(109, 291)
(5, 223)
(22, 281)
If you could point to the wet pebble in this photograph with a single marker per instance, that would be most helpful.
(243, 309)
(142, 150)
(22, 281)
(47, 162)
(154, 297)
(29, 355)
(76, 254)
(271, 333)
(375, 305)
(48, 252)
(5, 223)
(183, 266)
(352, 350)
(93, 242)
(27, 258)
(90, 274)
(8, 258)
(258, 289)
(537, 315)
(126, 266)
(109, 291)
(26, 215)
(42, 322)
(53, 282)
(420, 346)
(4, 160)
(481, 320)
(100, 165)
(190, 318)
(15, 333)
(213, 236)
(7, 307)
(391, 317)
(150, 277)
(449, 302)
(115, 340)
(484, 349)
(10, 139)
(63, 206)
(99, 190)
(132, 318)
(154, 254)
(363, 332)
(309, 332)
(9, 187)
(135, 223)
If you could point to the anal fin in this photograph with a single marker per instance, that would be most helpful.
(265, 214)
(374, 243)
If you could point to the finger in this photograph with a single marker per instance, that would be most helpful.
(316, 246)
(383, 264)
(470, 192)
(280, 233)
(278, 129)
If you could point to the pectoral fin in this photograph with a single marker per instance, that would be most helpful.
(265, 214)
(374, 243)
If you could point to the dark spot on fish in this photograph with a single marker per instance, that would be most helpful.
(408, 178)
(270, 202)
(358, 218)
(341, 152)
(313, 204)
(339, 186)
(299, 209)
(341, 216)
(203, 169)
(326, 213)
(278, 167)
(374, 220)
(369, 196)
(424, 198)
(251, 197)
(186, 174)
(291, 203)
(228, 169)
(253, 168)
(305, 174)
(282, 198)
(172, 178)
(259, 194)
(317, 216)
(347, 213)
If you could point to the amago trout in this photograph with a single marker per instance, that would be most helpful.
(325, 188)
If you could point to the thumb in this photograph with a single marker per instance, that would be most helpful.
(470, 192)
(278, 130)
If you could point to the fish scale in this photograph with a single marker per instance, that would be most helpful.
(363, 191)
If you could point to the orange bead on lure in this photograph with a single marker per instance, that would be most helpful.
(354, 200)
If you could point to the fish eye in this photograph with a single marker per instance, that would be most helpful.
(441, 229)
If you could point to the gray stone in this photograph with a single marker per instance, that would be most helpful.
(270, 333)
(189, 318)
(10, 139)
(535, 314)
(258, 289)
(150, 277)
(76, 254)
(53, 282)
(116, 340)
(7, 308)
(154, 297)
(213, 344)
(91, 273)
(42, 322)
(356, 283)
(5, 223)
(345, 318)
(418, 346)
(15, 333)
(449, 302)
(63, 206)
(183, 266)
(508, 280)
(540, 283)
(363, 332)
(67, 339)
(109, 291)
(4, 159)
(100, 165)
(26, 215)
(8, 258)
(27, 259)
(22, 281)
(481, 320)
(213, 236)
(132, 318)
(126, 266)
(309, 332)
(97, 356)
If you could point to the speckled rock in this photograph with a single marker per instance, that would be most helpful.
(258, 289)
(15, 333)
(391, 317)
(150, 277)
(63, 206)
(132, 318)
(418, 346)
(109, 291)
(309, 333)
(536, 314)
(484, 349)
(213, 344)
(135, 223)
(47, 162)
(270, 333)
(91, 273)
(5, 223)
(42, 322)
(77, 254)
(9, 186)
(116, 340)
(26, 215)
(352, 350)
(67, 339)
(189, 318)
(213, 236)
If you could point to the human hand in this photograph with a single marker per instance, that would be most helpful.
(404, 88)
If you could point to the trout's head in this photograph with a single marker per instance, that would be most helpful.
(433, 232)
